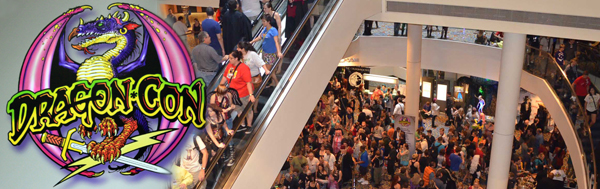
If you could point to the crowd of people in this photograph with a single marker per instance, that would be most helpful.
(350, 140)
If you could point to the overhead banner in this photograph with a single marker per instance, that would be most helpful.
(110, 94)
(406, 124)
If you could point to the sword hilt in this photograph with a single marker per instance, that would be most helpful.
(52, 139)
(59, 141)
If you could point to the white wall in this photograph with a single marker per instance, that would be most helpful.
(449, 56)
(387, 71)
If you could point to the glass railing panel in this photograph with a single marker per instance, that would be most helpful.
(218, 170)
(544, 66)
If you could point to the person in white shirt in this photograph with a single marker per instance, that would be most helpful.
(559, 175)
(190, 159)
(367, 112)
(424, 145)
(181, 29)
(444, 136)
(399, 109)
(312, 163)
(251, 8)
(435, 111)
(591, 105)
(329, 157)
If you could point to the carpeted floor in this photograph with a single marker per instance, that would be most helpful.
(456, 34)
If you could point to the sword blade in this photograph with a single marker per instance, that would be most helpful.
(127, 160)
(143, 165)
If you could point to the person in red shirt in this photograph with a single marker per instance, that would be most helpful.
(237, 74)
(377, 93)
(582, 86)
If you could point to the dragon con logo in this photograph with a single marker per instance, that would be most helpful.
(122, 83)
(404, 121)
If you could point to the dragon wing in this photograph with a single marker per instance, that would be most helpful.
(176, 69)
(38, 64)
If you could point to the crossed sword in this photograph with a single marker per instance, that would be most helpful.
(78, 146)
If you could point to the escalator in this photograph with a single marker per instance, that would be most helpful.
(545, 67)
(218, 173)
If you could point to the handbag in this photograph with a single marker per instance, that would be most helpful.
(256, 81)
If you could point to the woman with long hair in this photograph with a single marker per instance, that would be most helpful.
(222, 102)
(591, 106)
(404, 155)
(196, 28)
(268, 9)
(271, 45)
(254, 62)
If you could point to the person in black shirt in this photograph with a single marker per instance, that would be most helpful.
(290, 182)
(347, 166)
(391, 158)
(377, 171)
(236, 27)
(449, 105)
(430, 138)
(525, 111)
(424, 161)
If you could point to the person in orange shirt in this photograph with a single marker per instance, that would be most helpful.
(391, 131)
(429, 173)
(377, 93)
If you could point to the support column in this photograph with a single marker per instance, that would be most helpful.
(413, 79)
(513, 55)
(413, 70)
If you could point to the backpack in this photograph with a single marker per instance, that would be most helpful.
(197, 147)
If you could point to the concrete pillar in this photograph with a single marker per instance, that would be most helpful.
(413, 70)
(513, 54)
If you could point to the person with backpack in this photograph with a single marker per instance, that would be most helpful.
(194, 159)
(377, 162)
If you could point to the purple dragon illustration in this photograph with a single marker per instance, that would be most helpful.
(120, 31)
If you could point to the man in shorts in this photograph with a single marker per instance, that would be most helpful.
(237, 75)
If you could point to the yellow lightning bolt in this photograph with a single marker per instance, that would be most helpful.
(140, 141)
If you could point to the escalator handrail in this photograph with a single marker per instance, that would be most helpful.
(237, 122)
(585, 127)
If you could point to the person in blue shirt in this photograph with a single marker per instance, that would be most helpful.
(212, 27)
(271, 44)
(455, 161)
(363, 165)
